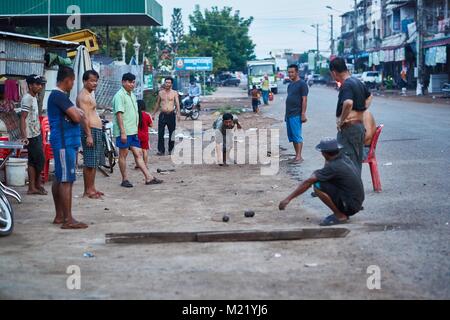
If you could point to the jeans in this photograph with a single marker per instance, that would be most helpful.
(352, 139)
(265, 96)
(169, 120)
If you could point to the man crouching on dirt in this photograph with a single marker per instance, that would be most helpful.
(224, 141)
(338, 184)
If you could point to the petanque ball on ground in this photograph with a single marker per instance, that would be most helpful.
(226, 218)
(249, 214)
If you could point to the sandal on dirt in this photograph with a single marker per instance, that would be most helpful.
(126, 184)
(332, 221)
(74, 226)
(154, 181)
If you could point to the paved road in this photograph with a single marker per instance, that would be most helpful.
(414, 207)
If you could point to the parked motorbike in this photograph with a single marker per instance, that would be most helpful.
(188, 109)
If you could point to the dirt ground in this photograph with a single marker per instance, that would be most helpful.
(34, 260)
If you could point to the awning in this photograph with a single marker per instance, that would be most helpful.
(436, 42)
(32, 13)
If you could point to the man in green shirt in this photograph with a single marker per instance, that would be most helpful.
(126, 122)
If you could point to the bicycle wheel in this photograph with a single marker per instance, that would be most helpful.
(6, 218)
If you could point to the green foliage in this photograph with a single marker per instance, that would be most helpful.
(227, 32)
(151, 40)
(176, 29)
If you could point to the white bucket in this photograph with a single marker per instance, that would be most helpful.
(16, 172)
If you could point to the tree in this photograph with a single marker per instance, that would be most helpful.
(176, 29)
(226, 30)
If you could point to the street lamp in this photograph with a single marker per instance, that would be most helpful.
(136, 47)
(123, 45)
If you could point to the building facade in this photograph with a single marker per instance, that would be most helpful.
(386, 40)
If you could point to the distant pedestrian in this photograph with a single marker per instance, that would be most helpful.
(265, 88)
(354, 99)
(338, 184)
(169, 103)
(31, 134)
(256, 96)
(145, 122)
(126, 123)
(296, 106)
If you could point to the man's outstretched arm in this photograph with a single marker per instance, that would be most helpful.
(302, 188)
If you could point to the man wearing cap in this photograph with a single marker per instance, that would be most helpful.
(338, 184)
(30, 128)
(126, 122)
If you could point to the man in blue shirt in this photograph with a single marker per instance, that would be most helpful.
(296, 105)
(64, 118)
(195, 91)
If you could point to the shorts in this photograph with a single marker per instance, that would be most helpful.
(255, 104)
(345, 205)
(132, 142)
(94, 156)
(294, 129)
(36, 157)
(65, 164)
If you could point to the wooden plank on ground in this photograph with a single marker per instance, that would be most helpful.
(281, 235)
(227, 236)
(149, 238)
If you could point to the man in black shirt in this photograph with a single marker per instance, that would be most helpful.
(338, 184)
(354, 99)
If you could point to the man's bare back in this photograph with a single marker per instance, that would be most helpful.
(371, 127)
(87, 103)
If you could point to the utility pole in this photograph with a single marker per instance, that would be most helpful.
(332, 35)
(355, 31)
(419, 47)
(318, 52)
(49, 7)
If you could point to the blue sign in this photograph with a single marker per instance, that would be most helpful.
(194, 64)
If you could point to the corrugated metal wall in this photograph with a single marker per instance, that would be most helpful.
(22, 52)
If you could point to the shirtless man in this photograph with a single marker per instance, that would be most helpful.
(354, 99)
(167, 101)
(371, 129)
(91, 136)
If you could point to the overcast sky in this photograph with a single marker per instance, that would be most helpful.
(278, 24)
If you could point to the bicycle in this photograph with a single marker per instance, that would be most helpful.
(109, 146)
(6, 210)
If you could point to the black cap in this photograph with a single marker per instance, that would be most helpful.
(328, 145)
(33, 78)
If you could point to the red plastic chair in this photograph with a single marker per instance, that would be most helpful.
(48, 152)
(372, 160)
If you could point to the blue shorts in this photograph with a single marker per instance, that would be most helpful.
(65, 164)
(294, 129)
(132, 142)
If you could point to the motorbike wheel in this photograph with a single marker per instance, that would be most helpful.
(195, 115)
(6, 218)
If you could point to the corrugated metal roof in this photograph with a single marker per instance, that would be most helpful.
(38, 40)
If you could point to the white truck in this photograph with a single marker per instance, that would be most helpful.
(260, 68)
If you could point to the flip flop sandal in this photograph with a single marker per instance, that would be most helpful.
(126, 184)
(154, 181)
(332, 221)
